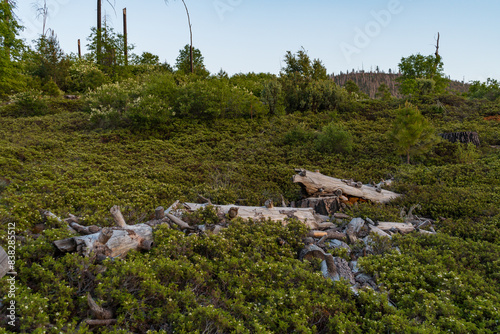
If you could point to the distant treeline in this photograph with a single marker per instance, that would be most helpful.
(369, 82)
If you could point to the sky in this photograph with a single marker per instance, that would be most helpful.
(241, 36)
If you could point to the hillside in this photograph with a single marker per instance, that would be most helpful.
(74, 158)
(369, 82)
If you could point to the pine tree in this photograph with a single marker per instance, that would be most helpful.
(411, 132)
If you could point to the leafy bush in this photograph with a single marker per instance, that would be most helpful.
(84, 76)
(334, 139)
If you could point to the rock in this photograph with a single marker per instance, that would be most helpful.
(338, 244)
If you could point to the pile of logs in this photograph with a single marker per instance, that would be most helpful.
(356, 237)
(328, 195)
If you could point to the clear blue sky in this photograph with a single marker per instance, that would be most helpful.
(253, 35)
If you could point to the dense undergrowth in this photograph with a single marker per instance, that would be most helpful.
(83, 157)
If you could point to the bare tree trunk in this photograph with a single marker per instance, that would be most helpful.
(125, 48)
(99, 27)
(191, 39)
(79, 50)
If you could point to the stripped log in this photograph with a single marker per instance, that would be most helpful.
(305, 215)
(401, 227)
(317, 184)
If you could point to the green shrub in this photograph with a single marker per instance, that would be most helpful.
(334, 139)
(29, 103)
(84, 76)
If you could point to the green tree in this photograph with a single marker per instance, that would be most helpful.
(146, 58)
(421, 75)
(383, 92)
(489, 90)
(112, 48)
(183, 63)
(296, 78)
(48, 62)
(411, 132)
(11, 48)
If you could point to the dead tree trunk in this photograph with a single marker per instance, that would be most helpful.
(315, 184)
(462, 137)
(112, 242)
(125, 49)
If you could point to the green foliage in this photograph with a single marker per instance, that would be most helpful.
(183, 64)
(85, 75)
(272, 96)
(411, 132)
(11, 79)
(488, 90)
(112, 52)
(155, 99)
(334, 139)
(49, 64)
(421, 75)
(297, 78)
(383, 92)
(245, 279)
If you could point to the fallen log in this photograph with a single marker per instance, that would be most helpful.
(317, 184)
(306, 215)
(401, 227)
(113, 242)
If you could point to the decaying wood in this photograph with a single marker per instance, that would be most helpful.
(317, 234)
(378, 231)
(104, 322)
(323, 205)
(179, 222)
(48, 214)
(401, 227)
(313, 251)
(4, 263)
(117, 215)
(97, 311)
(462, 137)
(113, 242)
(334, 234)
(314, 184)
(305, 215)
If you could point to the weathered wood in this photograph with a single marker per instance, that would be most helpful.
(159, 213)
(313, 182)
(329, 268)
(401, 227)
(323, 205)
(334, 234)
(317, 234)
(179, 222)
(98, 322)
(4, 263)
(462, 137)
(113, 242)
(97, 311)
(306, 215)
(378, 231)
(118, 217)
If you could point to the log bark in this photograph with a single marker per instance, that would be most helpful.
(306, 215)
(317, 184)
